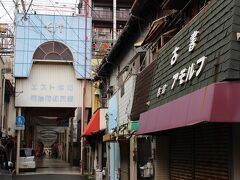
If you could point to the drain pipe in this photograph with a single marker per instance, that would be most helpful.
(3, 101)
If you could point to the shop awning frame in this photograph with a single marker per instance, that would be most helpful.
(93, 125)
(218, 102)
(97, 122)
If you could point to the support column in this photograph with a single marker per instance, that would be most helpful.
(67, 145)
(71, 142)
(18, 144)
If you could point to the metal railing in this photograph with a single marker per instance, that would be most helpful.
(107, 15)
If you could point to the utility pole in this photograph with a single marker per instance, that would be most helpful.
(114, 20)
(18, 110)
(18, 144)
(84, 89)
(23, 6)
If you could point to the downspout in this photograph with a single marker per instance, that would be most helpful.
(3, 99)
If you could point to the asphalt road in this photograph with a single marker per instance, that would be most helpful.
(48, 177)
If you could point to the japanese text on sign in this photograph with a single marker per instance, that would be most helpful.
(186, 74)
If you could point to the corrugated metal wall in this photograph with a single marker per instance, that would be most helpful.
(181, 155)
(141, 94)
(125, 101)
(213, 152)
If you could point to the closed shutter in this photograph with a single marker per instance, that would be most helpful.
(213, 152)
(181, 154)
(161, 162)
(124, 160)
(201, 152)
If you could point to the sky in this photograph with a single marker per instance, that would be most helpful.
(66, 7)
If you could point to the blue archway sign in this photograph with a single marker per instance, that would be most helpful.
(20, 121)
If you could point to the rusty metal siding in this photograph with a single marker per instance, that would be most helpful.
(141, 95)
(214, 24)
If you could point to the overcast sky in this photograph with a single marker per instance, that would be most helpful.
(67, 7)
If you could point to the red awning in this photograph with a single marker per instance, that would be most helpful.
(219, 102)
(93, 125)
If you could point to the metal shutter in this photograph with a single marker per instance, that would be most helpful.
(181, 154)
(201, 152)
(161, 162)
(124, 160)
(213, 152)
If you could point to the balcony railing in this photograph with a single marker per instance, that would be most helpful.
(107, 15)
(104, 34)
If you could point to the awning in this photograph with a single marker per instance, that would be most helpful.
(96, 123)
(93, 125)
(219, 102)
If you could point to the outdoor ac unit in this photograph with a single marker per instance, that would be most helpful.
(99, 175)
(147, 170)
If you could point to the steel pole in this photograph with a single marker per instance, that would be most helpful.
(18, 145)
(114, 20)
(84, 88)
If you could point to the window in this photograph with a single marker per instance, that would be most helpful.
(53, 51)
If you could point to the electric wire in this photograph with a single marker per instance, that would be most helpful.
(6, 10)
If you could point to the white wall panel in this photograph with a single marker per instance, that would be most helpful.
(51, 85)
(125, 102)
(103, 123)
